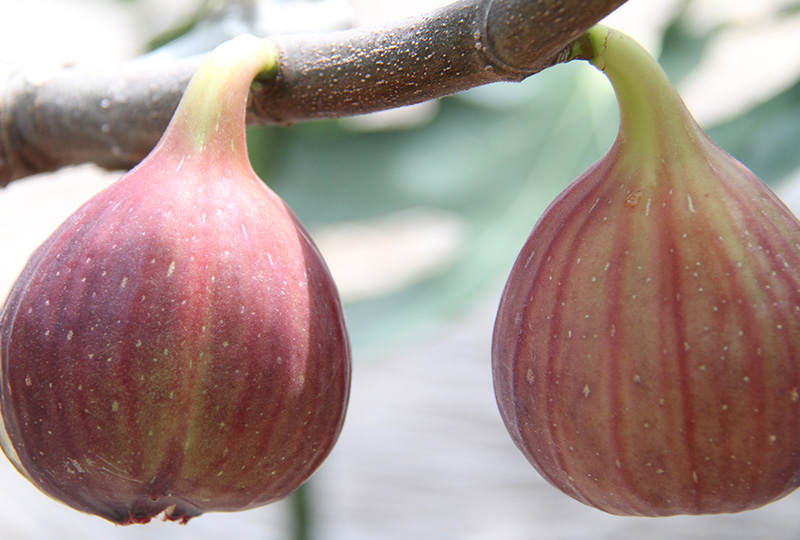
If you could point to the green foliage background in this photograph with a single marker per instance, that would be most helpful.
(494, 156)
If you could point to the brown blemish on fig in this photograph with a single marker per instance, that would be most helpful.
(632, 200)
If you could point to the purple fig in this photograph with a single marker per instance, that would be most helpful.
(177, 344)
(646, 351)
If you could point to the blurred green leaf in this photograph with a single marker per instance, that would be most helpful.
(765, 138)
(494, 156)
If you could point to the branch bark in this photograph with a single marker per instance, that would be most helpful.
(114, 116)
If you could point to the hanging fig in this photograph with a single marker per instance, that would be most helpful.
(177, 345)
(646, 351)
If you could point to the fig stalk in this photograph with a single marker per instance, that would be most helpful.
(209, 115)
(646, 351)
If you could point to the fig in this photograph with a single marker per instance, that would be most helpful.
(177, 345)
(646, 350)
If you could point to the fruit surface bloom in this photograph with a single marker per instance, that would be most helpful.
(177, 344)
(646, 351)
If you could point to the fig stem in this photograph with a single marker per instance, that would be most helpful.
(301, 513)
(649, 105)
(211, 113)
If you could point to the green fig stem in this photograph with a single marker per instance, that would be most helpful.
(301, 513)
(651, 110)
(211, 113)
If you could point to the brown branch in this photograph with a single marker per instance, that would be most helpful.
(115, 115)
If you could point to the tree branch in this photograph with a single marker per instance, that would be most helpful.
(114, 116)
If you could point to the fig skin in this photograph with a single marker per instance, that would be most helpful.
(646, 351)
(178, 343)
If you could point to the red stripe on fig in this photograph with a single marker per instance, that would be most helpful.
(646, 351)
(178, 344)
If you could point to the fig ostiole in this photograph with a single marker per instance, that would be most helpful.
(177, 345)
(646, 350)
